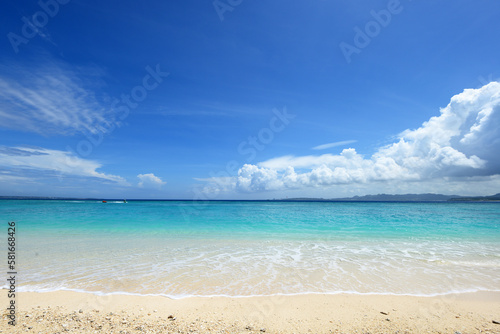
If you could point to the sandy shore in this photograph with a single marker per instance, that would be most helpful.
(72, 312)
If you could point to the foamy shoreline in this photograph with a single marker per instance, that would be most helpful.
(76, 312)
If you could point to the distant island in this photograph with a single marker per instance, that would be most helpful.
(366, 198)
(494, 198)
(403, 198)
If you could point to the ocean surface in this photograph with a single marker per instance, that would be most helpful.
(181, 248)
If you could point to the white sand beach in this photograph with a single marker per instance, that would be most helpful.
(74, 312)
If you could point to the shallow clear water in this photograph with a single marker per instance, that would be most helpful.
(255, 248)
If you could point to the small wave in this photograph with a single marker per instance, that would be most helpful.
(183, 296)
(485, 264)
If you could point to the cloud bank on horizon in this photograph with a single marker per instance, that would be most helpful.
(461, 144)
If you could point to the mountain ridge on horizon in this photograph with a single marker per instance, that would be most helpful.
(406, 198)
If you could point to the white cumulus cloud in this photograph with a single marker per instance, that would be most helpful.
(150, 180)
(461, 144)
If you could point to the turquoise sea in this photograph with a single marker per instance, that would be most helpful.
(184, 248)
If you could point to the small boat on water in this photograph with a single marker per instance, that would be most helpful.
(104, 202)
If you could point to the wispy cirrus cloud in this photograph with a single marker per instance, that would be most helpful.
(335, 144)
(50, 99)
(27, 163)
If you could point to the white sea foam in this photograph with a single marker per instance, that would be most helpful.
(180, 296)
(244, 268)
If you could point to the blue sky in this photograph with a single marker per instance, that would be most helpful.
(245, 99)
